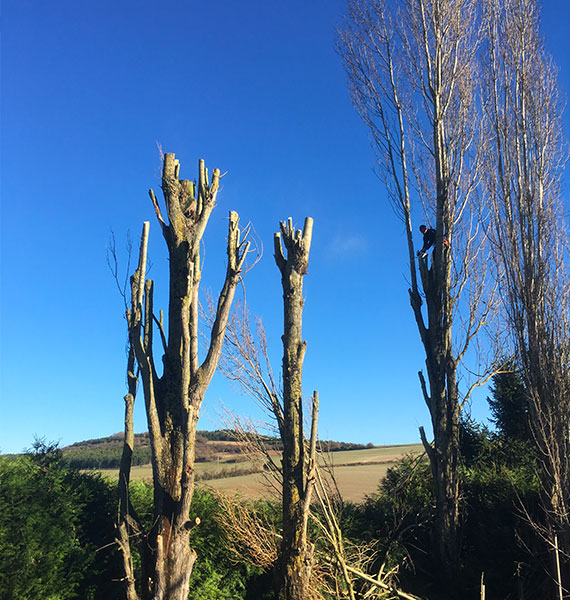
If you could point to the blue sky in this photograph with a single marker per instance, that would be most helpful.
(89, 91)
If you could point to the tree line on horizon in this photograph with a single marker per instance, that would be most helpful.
(105, 453)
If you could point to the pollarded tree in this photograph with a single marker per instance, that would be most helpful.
(411, 73)
(529, 233)
(298, 460)
(246, 361)
(173, 399)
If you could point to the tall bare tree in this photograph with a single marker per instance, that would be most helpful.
(530, 233)
(411, 73)
(298, 463)
(246, 361)
(128, 525)
(173, 399)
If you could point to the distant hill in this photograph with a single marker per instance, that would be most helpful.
(105, 452)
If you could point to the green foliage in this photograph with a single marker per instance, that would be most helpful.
(332, 446)
(510, 405)
(499, 478)
(106, 452)
(52, 521)
(215, 575)
(488, 457)
(141, 497)
(40, 555)
(220, 435)
(57, 534)
(56, 526)
(101, 457)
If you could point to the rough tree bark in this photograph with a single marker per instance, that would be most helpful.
(298, 480)
(123, 511)
(410, 69)
(173, 400)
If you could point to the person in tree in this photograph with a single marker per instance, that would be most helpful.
(429, 240)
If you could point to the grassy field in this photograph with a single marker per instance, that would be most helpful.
(378, 454)
(357, 472)
(145, 471)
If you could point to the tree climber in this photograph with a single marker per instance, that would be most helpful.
(429, 240)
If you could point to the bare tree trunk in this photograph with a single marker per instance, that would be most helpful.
(127, 523)
(173, 400)
(123, 528)
(558, 572)
(444, 407)
(296, 551)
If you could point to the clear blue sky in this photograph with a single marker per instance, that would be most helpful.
(255, 88)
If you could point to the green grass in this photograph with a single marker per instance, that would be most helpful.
(142, 472)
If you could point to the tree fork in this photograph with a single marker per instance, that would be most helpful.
(173, 400)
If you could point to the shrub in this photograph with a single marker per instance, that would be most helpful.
(52, 521)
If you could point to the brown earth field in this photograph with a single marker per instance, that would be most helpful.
(357, 472)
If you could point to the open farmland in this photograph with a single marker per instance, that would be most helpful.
(214, 468)
(357, 472)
